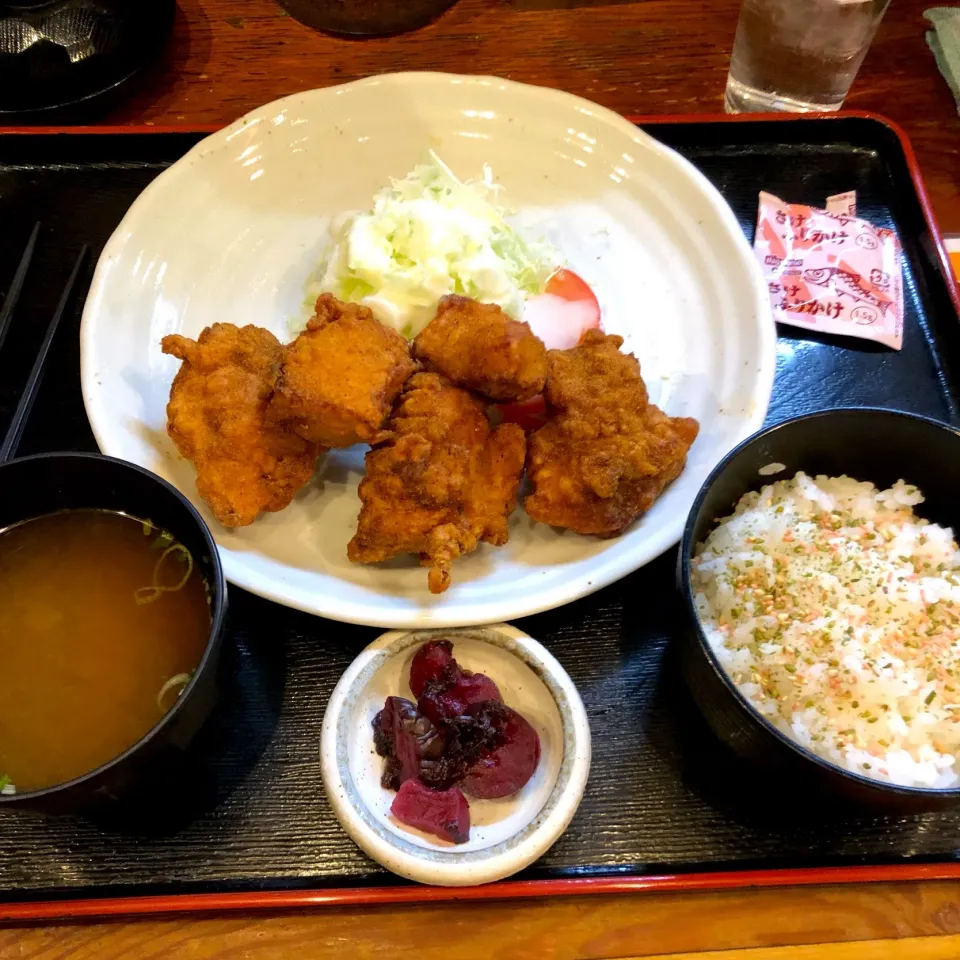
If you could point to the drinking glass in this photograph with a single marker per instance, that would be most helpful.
(799, 55)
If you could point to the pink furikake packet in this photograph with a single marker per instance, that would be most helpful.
(827, 270)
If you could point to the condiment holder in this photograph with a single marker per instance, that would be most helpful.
(506, 835)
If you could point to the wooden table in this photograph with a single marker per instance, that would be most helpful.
(648, 57)
(634, 56)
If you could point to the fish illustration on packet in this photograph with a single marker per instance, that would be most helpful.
(830, 271)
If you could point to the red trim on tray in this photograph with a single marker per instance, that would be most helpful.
(914, 166)
(664, 883)
(367, 896)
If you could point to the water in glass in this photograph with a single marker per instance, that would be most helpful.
(799, 55)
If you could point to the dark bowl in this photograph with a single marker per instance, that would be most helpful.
(881, 446)
(34, 486)
(71, 60)
(366, 18)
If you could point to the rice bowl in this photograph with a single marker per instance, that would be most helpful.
(835, 610)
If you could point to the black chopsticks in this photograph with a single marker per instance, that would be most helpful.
(13, 294)
(19, 420)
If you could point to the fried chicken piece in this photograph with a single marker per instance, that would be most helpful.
(438, 481)
(217, 417)
(476, 345)
(341, 376)
(607, 453)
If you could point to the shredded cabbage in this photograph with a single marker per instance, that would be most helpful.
(429, 235)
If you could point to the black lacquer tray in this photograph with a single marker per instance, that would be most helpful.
(665, 807)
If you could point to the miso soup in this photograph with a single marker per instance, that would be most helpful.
(103, 619)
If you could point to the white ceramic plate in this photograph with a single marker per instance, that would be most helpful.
(233, 230)
(505, 835)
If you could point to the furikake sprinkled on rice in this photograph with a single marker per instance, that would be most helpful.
(836, 611)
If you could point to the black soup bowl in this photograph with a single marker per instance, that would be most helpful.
(879, 446)
(48, 483)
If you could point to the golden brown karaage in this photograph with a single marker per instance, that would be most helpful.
(341, 375)
(476, 345)
(607, 453)
(438, 481)
(217, 417)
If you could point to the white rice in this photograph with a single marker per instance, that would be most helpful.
(835, 609)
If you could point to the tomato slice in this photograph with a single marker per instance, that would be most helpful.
(529, 414)
(571, 286)
(566, 308)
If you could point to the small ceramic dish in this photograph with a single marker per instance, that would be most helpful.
(505, 835)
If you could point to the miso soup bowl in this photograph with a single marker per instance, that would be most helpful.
(880, 446)
(48, 483)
